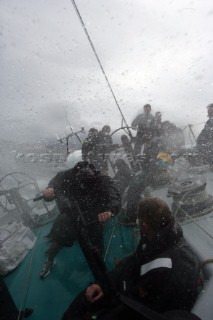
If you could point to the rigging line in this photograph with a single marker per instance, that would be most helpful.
(110, 239)
(99, 62)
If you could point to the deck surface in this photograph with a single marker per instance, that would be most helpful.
(50, 297)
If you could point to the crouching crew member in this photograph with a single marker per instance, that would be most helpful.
(98, 200)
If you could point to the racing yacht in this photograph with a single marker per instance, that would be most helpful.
(25, 223)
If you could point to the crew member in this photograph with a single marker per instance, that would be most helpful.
(162, 274)
(156, 125)
(98, 200)
(205, 138)
(142, 124)
(105, 146)
(90, 147)
(123, 175)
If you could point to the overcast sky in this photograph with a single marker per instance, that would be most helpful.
(157, 52)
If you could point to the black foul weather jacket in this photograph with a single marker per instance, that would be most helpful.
(205, 138)
(162, 274)
(93, 196)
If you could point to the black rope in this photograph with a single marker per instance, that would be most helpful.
(99, 62)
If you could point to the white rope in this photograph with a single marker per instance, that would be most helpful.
(110, 239)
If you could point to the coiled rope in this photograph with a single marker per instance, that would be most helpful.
(192, 198)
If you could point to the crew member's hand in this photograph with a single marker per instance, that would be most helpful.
(104, 216)
(49, 193)
(94, 293)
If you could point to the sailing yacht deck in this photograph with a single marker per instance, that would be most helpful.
(50, 297)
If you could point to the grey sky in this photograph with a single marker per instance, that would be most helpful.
(152, 51)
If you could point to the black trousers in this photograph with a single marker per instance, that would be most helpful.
(81, 309)
(65, 233)
(8, 309)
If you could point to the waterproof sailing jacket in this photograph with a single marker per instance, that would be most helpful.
(142, 122)
(162, 274)
(94, 196)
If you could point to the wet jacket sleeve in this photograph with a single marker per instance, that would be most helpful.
(57, 181)
(59, 184)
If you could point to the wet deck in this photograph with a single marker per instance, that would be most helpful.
(50, 297)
